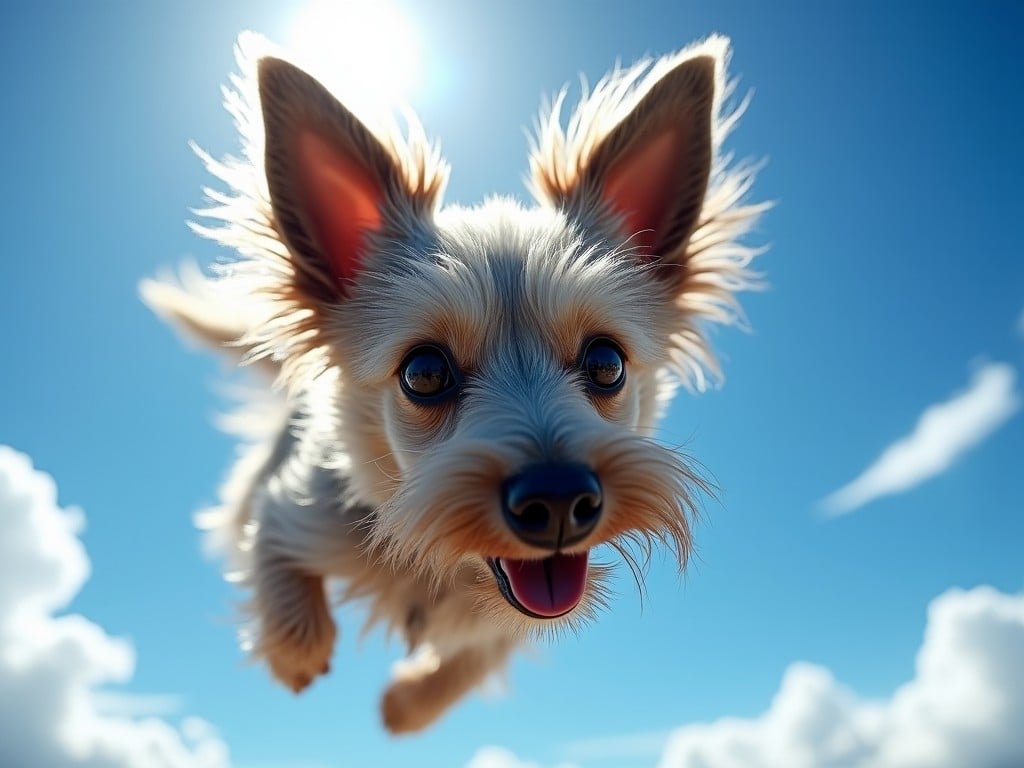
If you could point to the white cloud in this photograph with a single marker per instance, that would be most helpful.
(943, 434)
(645, 746)
(964, 707)
(632, 746)
(55, 711)
(123, 704)
(499, 757)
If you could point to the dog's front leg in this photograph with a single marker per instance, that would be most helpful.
(425, 686)
(295, 632)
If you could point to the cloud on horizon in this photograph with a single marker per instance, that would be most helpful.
(499, 757)
(622, 746)
(56, 710)
(964, 706)
(943, 434)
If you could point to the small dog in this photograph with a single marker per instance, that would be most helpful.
(466, 396)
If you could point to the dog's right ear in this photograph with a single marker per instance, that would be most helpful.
(334, 185)
(640, 160)
(639, 148)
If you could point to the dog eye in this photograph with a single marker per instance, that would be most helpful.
(426, 374)
(605, 366)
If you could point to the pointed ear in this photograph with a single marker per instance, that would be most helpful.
(641, 152)
(331, 180)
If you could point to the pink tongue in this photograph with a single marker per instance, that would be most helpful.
(548, 587)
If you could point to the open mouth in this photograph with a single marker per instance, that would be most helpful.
(542, 589)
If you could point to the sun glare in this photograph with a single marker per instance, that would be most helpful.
(366, 51)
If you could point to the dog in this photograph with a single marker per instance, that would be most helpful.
(466, 398)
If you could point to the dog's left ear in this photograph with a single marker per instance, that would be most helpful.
(641, 152)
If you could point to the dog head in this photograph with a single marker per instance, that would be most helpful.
(496, 372)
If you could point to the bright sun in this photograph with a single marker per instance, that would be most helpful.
(366, 50)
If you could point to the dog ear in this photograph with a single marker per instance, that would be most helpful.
(331, 180)
(641, 151)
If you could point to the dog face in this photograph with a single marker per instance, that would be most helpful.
(496, 372)
(515, 365)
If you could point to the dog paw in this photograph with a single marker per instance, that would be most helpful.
(426, 685)
(296, 636)
(297, 658)
(403, 710)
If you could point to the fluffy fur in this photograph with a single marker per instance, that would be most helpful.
(346, 268)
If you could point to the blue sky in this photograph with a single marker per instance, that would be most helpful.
(889, 348)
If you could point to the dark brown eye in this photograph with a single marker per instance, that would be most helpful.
(426, 374)
(604, 365)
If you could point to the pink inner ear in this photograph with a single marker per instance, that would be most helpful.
(643, 187)
(342, 200)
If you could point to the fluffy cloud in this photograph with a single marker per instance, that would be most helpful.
(634, 747)
(498, 757)
(54, 711)
(943, 434)
(964, 707)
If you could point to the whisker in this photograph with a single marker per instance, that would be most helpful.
(634, 568)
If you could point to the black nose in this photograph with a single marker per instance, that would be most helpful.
(552, 505)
